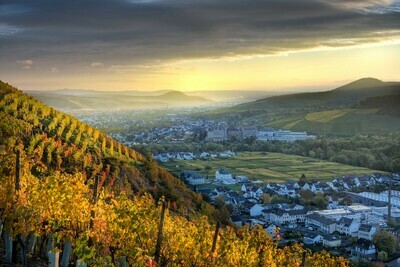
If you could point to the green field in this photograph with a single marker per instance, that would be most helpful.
(269, 167)
(341, 121)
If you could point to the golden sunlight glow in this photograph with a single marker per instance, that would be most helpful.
(311, 68)
(324, 67)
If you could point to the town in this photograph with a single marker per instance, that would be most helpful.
(177, 126)
(341, 216)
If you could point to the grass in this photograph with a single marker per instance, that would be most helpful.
(326, 116)
(341, 121)
(269, 167)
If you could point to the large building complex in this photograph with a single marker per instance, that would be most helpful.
(269, 134)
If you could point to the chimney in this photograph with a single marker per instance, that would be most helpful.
(389, 203)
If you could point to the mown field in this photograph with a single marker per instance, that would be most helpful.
(269, 167)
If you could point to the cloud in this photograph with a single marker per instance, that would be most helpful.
(54, 70)
(97, 64)
(128, 32)
(368, 6)
(7, 30)
(26, 64)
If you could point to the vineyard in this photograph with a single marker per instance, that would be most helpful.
(71, 195)
(62, 212)
(52, 141)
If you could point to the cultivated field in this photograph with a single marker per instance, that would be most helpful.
(340, 121)
(274, 167)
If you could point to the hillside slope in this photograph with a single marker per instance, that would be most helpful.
(337, 111)
(54, 141)
(387, 105)
(343, 96)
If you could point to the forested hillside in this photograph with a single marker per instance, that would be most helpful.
(51, 141)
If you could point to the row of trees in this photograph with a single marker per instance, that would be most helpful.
(380, 152)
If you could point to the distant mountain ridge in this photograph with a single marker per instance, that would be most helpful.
(66, 99)
(346, 95)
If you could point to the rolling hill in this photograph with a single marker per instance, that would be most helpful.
(51, 141)
(344, 96)
(336, 111)
(96, 100)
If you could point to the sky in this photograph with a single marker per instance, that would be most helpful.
(194, 45)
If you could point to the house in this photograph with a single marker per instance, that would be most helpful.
(237, 220)
(364, 249)
(253, 192)
(287, 190)
(322, 188)
(221, 190)
(192, 177)
(347, 226)
(312, 239)
(223, 175)
(256, 210)
(331, 241)
(272, 185)
(241, 179)
(280, 216)
(204, 155)
(272, 230)
(247, 205)
(322, 223)
(366, 231)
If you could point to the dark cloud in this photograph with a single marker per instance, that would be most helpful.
(114, 32)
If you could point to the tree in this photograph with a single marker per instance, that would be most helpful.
(345, 201)
(219, 202)
(306, 194)
(279, 199)
(150, 168)
(386, 241)
(266, 198)
(383, 256)
(320, 201)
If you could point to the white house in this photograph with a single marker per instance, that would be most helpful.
(322, 223)
(272, 230)
(366, 231)
(256, 210)
(280, 216)
(347, 226)
(331, 241)
(223, 174)
(364, 249)
(312, 239)
(192, 177)
(254, 192)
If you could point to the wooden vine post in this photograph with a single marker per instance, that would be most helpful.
(95, 194)
(17, 188)
(160, 233)
(214, 244)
